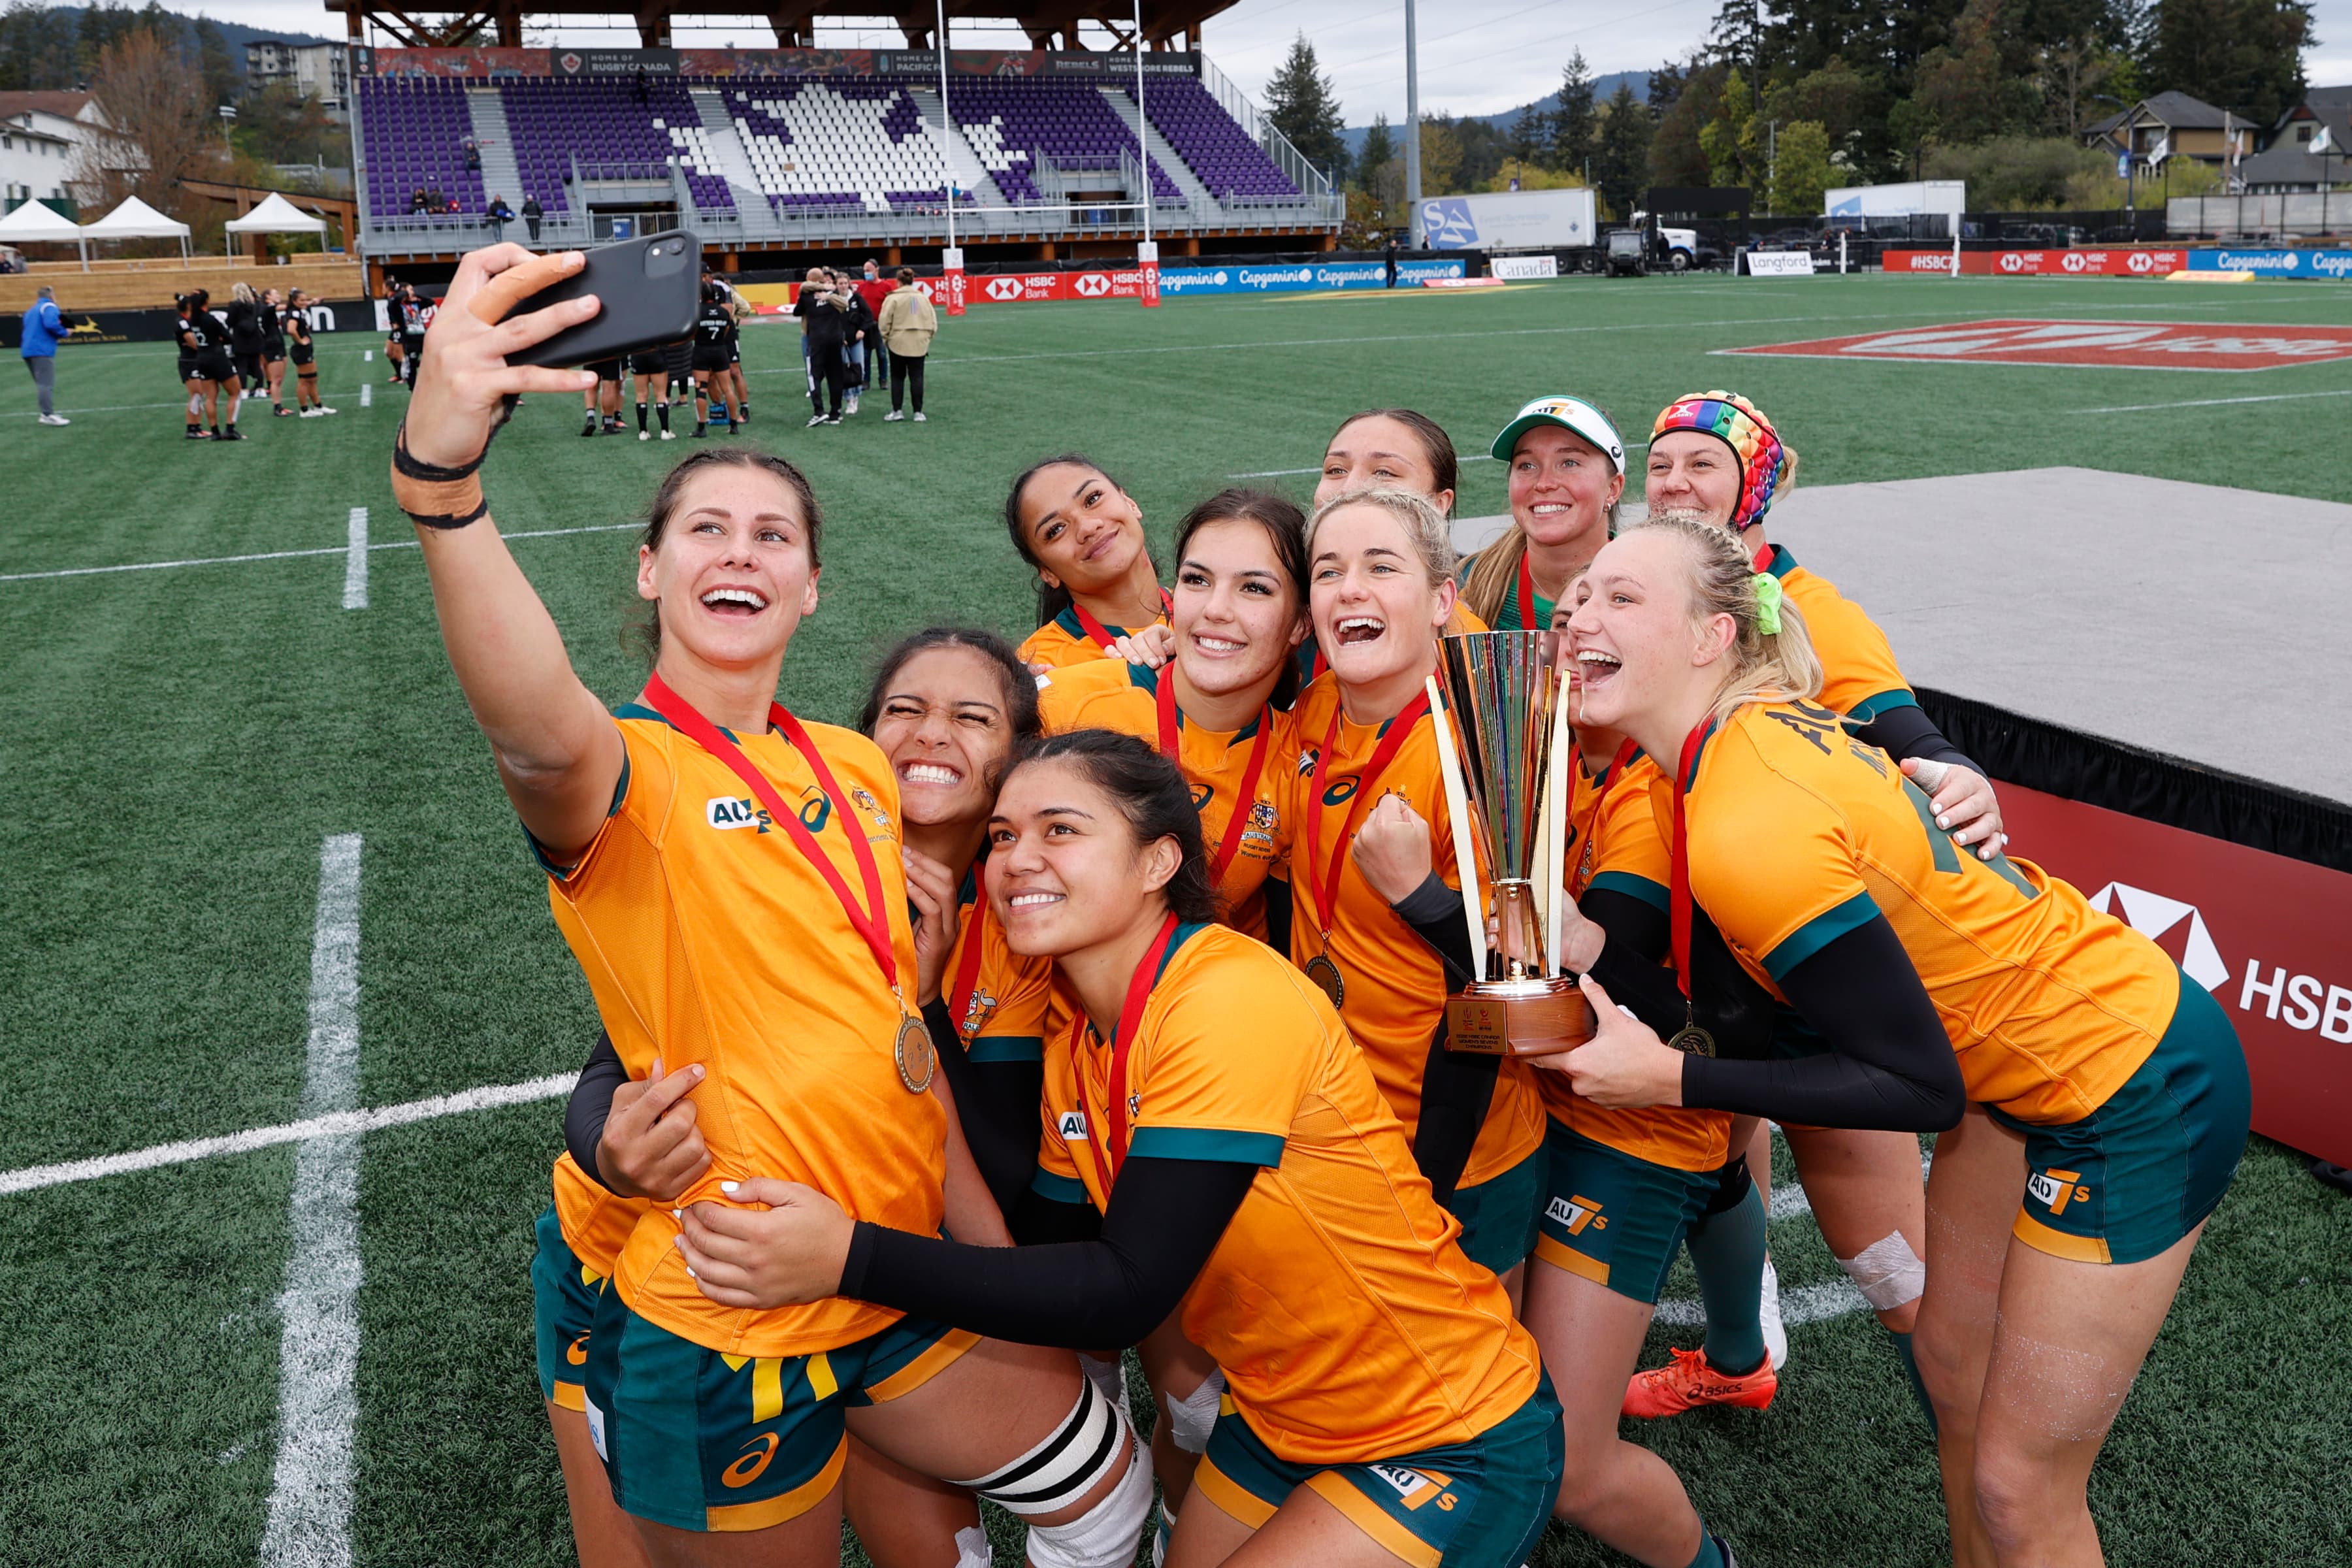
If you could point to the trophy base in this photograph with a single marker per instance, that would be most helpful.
(1535, 1018)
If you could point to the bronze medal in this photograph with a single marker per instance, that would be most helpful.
(916, 1058)
(1326, 975)
(1694, 1040)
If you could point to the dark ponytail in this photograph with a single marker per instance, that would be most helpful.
(1152, 795)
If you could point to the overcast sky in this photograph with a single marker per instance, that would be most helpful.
(1477, 57)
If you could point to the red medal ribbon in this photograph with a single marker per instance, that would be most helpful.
(1327, 915)
(1679, 894)
(967, 961)
(1528, 598)
(1764, 559)
(1101, 633)
(871, 921)
(1170, 748)
(1131, 1020)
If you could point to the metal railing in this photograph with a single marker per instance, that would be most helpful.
(2278, 216)
(1294, 165)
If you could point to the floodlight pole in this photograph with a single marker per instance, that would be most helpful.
(1142, 124)
(948, 118)
(1413, 129)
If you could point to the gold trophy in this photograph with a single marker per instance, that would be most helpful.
(1507, 778)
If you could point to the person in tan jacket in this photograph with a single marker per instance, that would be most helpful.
(908, 321)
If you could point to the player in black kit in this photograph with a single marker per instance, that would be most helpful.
(711, 329)
(272, 309)
(183, 334)
(650, 368)
(204, 336)
(304, 353)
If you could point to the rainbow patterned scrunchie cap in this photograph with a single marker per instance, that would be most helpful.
(1741, 426)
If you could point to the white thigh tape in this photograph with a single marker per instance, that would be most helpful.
(1105, 1536)
(1065, 1466)
(1888, 1273)
(1191, 1418)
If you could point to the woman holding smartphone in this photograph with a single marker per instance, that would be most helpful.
(724, 1432)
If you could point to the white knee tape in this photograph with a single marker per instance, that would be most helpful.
(1106, 1535)
(1191, 1418)
(1888, 1273)
(1109, 1375)
(972, 1550)
(1092, 1442)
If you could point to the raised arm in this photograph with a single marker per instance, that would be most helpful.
(558, 753)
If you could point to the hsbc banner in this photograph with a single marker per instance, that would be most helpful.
(2335, 264)
(2119, 262)
(1128, 282)
(2263, 933)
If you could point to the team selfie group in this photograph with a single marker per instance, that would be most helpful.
(1092, 994)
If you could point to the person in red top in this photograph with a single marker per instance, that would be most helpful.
(873, 288)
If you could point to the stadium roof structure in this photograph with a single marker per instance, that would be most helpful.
(1050, 23)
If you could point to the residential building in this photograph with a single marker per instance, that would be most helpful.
(323, 72)
(2288, 163)
(2175, 125)
(42, 139)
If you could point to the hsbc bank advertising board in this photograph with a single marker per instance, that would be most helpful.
(2262, 933)
(2119, 262)
(2332, 264)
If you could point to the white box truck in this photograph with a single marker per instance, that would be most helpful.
(1498, 221)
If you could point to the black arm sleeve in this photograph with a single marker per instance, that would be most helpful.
(1889, 1065)
(1165, 1218)
(1456, 1087)
(591, 1103)
(997, 1104)
(1041, 1221)
(1277, 915)
(1630, 968)
(1907, 732)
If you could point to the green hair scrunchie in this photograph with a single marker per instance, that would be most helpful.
(1767, 603)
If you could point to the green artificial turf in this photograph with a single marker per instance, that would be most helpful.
(180, 741)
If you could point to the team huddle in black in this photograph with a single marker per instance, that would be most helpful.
(705, 367)
(227, 354)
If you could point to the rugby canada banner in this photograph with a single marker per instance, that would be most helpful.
(2119, 262)
(2262, 933)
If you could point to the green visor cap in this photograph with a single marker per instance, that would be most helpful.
(1569, 414)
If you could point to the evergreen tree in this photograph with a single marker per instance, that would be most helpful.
(1379, 173)
(1621, 156)
(1573, 124)
(1531, 139)
(1304, 105)
(2241, 55)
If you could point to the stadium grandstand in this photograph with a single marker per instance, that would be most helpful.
(1045, 153)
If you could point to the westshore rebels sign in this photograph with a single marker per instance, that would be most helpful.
(574, 62)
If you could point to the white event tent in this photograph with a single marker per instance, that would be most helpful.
(36, 223)
(276, 215)
(135, 219)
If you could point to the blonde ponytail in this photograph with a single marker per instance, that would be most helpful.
(1760, 665)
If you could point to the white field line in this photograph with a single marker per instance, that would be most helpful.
(490, 1097)
(367, 394)
(355, 562)
(309, 1523)
(290, 554)
(2218, 402)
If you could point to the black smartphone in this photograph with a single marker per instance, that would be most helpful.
(650, 291)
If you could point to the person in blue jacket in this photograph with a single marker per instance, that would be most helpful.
(44, 325)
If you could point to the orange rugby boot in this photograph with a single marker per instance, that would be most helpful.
(1688, 1382)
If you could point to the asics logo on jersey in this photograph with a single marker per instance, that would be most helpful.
(1073, 1127)
(726, 811)
(1341, 791)
(1575, 1213)
(1200, 796)
(753, 1459)
(2057, 1189)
